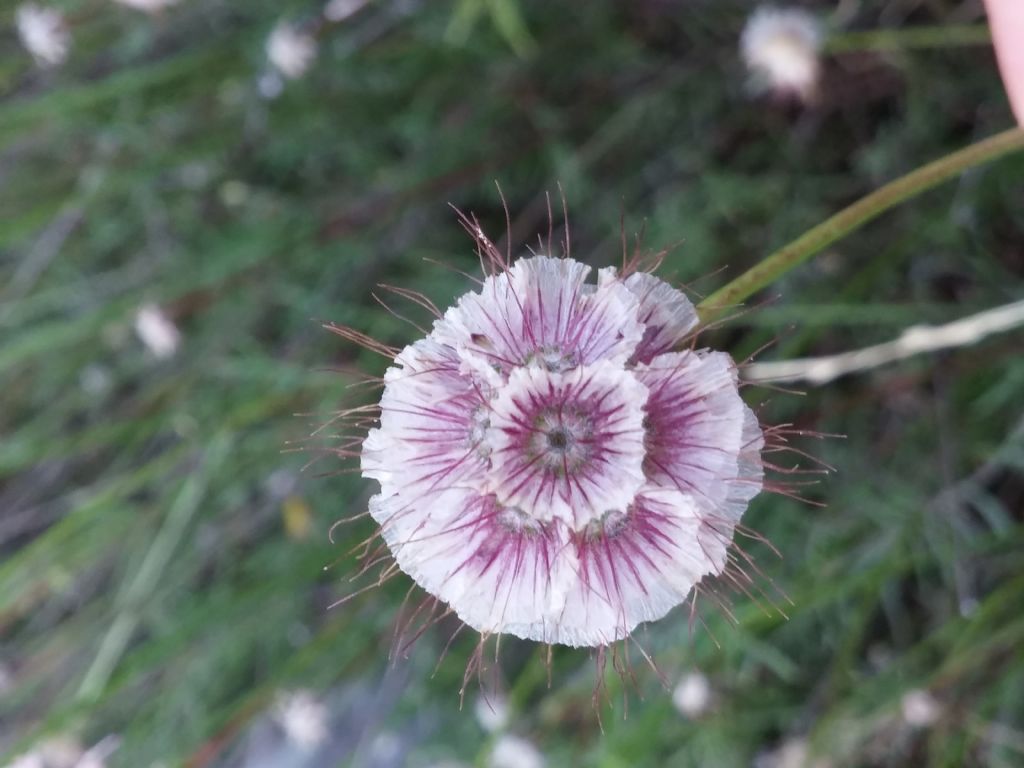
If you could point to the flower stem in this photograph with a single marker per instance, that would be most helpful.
(847, 220)
(944, 36)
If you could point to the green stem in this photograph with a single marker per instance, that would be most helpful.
(132, 600)
(950, 36)
(847, 220)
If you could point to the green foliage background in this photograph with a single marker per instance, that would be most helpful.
(148, 585)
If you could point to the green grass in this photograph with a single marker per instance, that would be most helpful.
(148, 585)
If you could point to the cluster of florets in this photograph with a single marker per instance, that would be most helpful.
(556, 459)
(782, 49)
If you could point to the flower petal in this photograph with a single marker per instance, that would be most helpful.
(498, 569)
(568, 445)
(637, 565)
(432, 425)
(701, 437)
(668, 316)
(542, 312)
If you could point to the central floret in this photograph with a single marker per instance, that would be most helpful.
(568, 445)
(554, 462)
(562, 439)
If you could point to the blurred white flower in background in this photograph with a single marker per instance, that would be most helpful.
(692, 695)
(157, 331)
(44, 33)
(515, 752)
(491, 712)
(290, 50)
(339, 10)
(67, 752)
(920, 709)
(303, 718)
(782, 47)
(149, 6)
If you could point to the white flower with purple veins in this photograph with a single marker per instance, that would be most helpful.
(555, 461)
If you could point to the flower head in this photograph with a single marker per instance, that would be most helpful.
(920, 709)
(157, 331)
(781, 47)
(692, 695)
(44, 33)
(290, 50)
(555, 460)
(303, 718)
